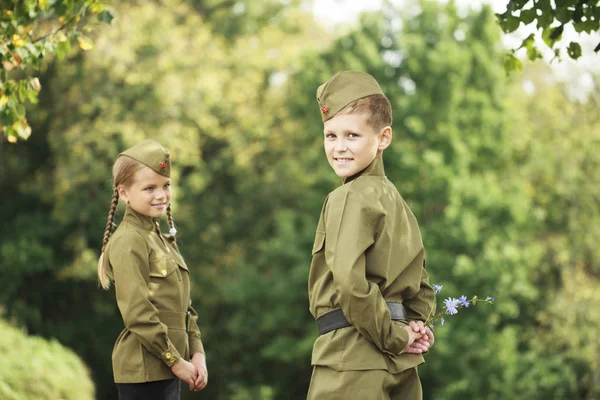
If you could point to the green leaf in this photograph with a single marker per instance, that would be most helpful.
(511, 23)
(563, 14)
(529, 44)
(62, 49)
(32, 49)
(512, 64)
(533, 53)
(546, 13)
(528, 16)
(557, 32)
(574, 50)
(515, 5)
(23, 91)
(33, 97)
(528, 41)
(106, 16)
(588, 26)
(20, 111)
(85, 42)
(547, 37)
(24, 130)
(578, 13)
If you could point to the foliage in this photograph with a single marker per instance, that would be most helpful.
(551, 17)
(561, 190)
(31, 32)
(35, 368)
(500, 182)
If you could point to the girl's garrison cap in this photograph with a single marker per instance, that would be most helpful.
(151, 154)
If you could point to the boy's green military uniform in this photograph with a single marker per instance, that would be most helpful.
(152, 287)
(367, 251)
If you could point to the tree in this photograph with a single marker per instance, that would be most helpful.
(216, 103)
(555, 141)
(498, 181)
(552, 17)
(33, 31)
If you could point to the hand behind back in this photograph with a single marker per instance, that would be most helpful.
(420, 338)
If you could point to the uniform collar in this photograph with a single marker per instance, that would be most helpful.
(140, 220)
(374, 169)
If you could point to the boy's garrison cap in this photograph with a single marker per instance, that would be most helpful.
(342, 89)
(151, 154)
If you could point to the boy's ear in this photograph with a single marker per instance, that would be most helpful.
(385, 138)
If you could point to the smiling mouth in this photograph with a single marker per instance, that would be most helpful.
(343, 160)
(161, 205)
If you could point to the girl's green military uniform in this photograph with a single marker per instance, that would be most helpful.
(152, 287)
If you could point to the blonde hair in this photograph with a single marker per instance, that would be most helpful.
(377, 106)
(123, 172)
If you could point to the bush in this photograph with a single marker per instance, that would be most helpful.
(35, 368)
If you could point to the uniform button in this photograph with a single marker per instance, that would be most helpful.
(164, 272)
(172, 360)
(167, 355)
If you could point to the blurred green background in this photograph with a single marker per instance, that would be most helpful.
(503, 174)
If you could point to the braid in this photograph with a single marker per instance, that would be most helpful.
(111, 216)
(102, 277)
(172, 229)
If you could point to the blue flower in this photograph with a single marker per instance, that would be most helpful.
(431, 327)
(442, 320)
(450, 304)
(463, 300)
(490, 298)
(438, 288)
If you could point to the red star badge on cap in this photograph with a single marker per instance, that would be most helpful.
(324, 110)
(163, 164)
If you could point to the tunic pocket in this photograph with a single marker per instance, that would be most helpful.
(162, 267)
(319, 242)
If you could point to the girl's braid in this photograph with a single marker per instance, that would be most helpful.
(111, 216)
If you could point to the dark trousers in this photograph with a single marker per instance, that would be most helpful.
(159, 390)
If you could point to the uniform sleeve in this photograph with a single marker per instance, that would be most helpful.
(194, 332)
(131, 274)
(421, 306)
(350, 226)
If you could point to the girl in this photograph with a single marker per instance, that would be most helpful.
(151, 282)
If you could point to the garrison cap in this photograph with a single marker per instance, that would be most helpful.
(342, 89)
(151, 154)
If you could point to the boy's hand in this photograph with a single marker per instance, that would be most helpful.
(201, 381)
(424, 343)
(186, 371)
(412, 337)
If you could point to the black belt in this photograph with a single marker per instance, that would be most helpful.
(335, 319)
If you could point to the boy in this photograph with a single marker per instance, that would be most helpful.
(368, 288)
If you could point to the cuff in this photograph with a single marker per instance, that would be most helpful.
(401, 341)
(196, 346)
(170, 356)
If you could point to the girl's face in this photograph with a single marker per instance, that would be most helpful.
(149, 194)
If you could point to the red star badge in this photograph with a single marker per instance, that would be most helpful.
(163, 164)
(324, 110)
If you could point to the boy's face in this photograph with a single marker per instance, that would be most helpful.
(149, 194)
(351, 143)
